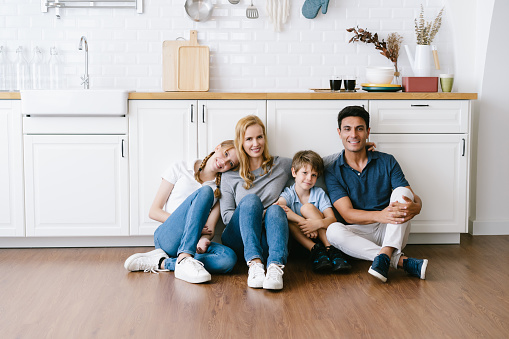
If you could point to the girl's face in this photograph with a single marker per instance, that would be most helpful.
(223, 159)
(254, 141)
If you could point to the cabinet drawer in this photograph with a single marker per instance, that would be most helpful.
(419, 116)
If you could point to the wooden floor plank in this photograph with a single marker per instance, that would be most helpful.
(86, 293)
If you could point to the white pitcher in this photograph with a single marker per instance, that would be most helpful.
(421, 66)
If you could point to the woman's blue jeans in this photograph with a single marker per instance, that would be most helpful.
(181, 232)
(246, 235)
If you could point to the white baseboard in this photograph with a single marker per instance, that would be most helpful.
(142, 241)
(434, 238)
(29, 242)
(499, 227)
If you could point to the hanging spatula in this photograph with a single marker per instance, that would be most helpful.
(252, 11)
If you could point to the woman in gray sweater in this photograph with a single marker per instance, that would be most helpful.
(255, 228)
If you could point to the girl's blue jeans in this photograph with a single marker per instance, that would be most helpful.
(246, 235)
(181, 232)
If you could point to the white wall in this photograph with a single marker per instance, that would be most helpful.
(492, 212)
(246, 54)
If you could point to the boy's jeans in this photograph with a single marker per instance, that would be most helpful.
(182, 230)
(366, 241)
(246, 235)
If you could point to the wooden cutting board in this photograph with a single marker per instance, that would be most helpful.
(189, 79)
(193, 68)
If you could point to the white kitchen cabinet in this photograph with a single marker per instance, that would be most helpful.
(296, 125)
(164, 131)
(436, 166)
(12, 214)
(431, 141)
(76, 185)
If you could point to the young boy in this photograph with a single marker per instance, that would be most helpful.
(309, 213)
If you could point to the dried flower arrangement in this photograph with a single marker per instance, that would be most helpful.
(389, 49)
(426, 31)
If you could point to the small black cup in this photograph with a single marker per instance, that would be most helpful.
(349, 85)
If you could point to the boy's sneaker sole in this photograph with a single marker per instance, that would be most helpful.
(423, 269)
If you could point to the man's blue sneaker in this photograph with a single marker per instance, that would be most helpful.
(416, 267)
(380, 267)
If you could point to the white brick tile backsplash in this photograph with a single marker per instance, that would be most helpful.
(125, 48)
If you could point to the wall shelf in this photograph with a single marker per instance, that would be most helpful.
(61, 4)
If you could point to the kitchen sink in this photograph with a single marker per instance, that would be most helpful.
(74, 102)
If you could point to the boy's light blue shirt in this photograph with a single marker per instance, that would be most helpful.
(317, 197)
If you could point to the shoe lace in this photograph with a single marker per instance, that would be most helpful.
(256, 269)
(275, 271)
(149, 268)
(198, 265)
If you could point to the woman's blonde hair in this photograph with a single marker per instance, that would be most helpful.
(240, 132)
(225, 146)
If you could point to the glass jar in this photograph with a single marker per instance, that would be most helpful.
(55, 69)
(5, 71)
(21, 71)
(36, 69)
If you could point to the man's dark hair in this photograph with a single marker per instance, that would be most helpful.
(353, 111)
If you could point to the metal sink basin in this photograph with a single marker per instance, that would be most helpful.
(74, 102)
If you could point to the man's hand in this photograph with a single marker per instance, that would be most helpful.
(399, 213)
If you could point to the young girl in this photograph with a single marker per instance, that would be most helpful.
(254, 226)
(189, 191)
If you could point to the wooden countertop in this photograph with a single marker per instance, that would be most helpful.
(285, 96)
(301, 96)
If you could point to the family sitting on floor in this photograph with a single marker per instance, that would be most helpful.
(241, 182)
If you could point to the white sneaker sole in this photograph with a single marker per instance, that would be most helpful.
(423, 269)
(157, 252)
(255, 284)
(193, 280)
(272, 286)
(377, 275)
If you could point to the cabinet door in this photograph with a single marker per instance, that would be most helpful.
(12, 215)
(160, 132)
(295, 125)
(436, 166)
(217, 120)
(76, 185)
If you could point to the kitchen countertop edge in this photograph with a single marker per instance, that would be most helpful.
(284, 96)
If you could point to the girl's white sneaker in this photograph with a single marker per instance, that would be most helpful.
(256, 275)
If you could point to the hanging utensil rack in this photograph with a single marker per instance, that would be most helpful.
(58, 4)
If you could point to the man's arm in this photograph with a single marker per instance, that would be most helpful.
(395, 213)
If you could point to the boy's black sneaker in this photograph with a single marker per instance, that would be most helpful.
(338, 261)
(319, 260)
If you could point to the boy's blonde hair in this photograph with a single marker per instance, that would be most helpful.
(308, 157)
(240, 132)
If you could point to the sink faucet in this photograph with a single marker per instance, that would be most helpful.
(85, 77)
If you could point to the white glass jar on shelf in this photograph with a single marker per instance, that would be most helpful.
(5, 71)
(22, 72)
(37, 70)
(55, 69)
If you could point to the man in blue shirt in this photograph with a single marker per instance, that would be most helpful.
(370, 192)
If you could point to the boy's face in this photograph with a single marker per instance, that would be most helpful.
(305, 177)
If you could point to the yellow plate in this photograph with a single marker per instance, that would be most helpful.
(380, 85)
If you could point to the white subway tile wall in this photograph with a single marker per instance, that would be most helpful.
(125, 48)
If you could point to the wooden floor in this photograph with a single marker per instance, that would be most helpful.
(87, 293)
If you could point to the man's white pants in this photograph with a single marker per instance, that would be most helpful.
(366, 241)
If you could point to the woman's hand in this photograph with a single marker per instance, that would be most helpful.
(371, 146)
(206, 230)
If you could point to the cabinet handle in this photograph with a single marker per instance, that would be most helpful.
(122, 148)
(192, 113)
(464, 142)
(203, 113)
(419, 105)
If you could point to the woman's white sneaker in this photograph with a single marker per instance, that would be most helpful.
(191, 270)
(256, 274)
(147, 262)
(274, 278)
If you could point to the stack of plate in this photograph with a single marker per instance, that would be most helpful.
(381, 87)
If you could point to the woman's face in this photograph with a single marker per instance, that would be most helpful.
(254, 141)
(223, 159)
